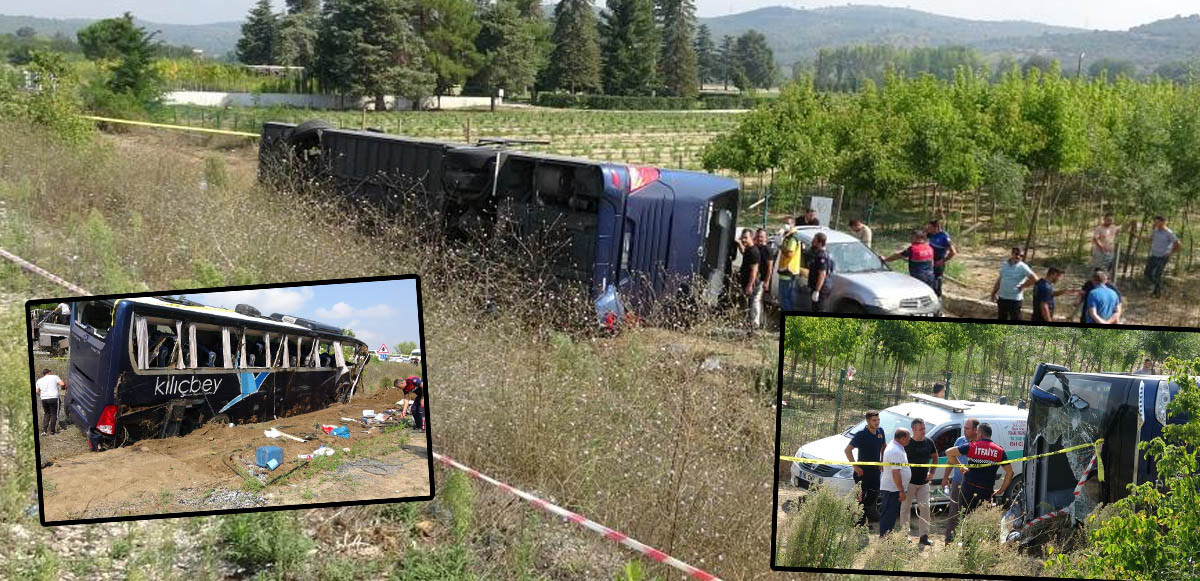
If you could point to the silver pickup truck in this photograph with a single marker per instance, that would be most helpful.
(50, 330)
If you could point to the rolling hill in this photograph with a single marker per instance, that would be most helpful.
(796, 35)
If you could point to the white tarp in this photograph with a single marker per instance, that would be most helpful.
(192, 344)
(227, 358)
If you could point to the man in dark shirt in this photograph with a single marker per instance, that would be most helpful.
(750, 280)
(870, 442)
(980, 476)
(920, 259)
(767, 255)
(1087, 288)
(1044, 293)
(819, 266)
(809, 218)
(943, 251)
(920, 450)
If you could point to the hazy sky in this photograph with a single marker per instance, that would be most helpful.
(1102, 14)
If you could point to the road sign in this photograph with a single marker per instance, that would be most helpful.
(383, 349)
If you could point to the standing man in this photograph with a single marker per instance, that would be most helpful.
(47, 390)
(1086, 289)
(1009, 291)
(1163, 243)
(749, 279)
(789, 267)
(1102, 305)
(1147, 368)
(943, 251)
(939, 390)
(1044, 293)
(819, 266)
(955, 476)
(1104, 239)
(860, 231)
(809, 218)
(920, 259)
(918, 451)
(894, 482)
(869, 441)
(767, 256)
(979, 480)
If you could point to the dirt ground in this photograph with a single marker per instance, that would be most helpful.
(213, 468)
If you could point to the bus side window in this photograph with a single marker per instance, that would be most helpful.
(95, 316)
(161, 352)
(208, 345)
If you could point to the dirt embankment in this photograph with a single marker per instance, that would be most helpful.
(213, 468)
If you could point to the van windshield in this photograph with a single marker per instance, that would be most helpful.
(888, 421)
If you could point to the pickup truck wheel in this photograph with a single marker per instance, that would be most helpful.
(850, 307)
(795, 481)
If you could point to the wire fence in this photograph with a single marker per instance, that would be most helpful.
(817, 405)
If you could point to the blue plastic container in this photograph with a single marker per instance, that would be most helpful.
(267, 453)
(341, 432)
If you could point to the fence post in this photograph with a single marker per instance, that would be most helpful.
(837, 413)
(948, 374)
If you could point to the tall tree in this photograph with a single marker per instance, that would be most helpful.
(706, 55)
(133, 48)
(678, 67)
(755, 60)
(727, 58)
(449, 28)
(508, 41)
(260, 36)
(630, 47)
(298, 36)
(369, 48)
(575, 61)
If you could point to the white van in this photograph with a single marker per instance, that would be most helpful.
(943, 424)
(415, 356)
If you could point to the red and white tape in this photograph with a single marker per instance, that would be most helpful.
(35, 269)
(1078, 490)
(587, 523)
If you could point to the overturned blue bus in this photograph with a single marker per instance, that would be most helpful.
(1068, 409)
(634, 235)
(156, 367)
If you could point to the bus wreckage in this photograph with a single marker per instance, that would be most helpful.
(1057, 493)
(634, 235)
(158, 367)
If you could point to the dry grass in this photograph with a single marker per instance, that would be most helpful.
(628, 430)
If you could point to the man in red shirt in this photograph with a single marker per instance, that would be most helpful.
(920, 259)
(413, 385)
(980, 474)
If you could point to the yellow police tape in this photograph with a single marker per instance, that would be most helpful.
(1096, 445)
(169, 126)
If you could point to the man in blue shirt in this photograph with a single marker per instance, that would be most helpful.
(1103, 304)
(870, 442)
(943, 251)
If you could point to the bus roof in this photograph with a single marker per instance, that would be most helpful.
(225, 314)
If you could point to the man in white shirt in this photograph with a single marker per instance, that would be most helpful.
(47, 390)
(1146, 369)
(894, 481)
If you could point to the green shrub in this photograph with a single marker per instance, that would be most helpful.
(458, 496)
(258, 540)
(978, 548)
(893, 553)
(824, 532)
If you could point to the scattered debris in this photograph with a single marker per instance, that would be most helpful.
(711, 364)
(275, 433)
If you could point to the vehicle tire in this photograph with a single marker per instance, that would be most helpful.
(795, 481)
(850, 307)
(309, 132)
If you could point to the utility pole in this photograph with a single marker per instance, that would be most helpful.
(1079, 66)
